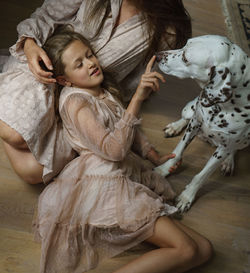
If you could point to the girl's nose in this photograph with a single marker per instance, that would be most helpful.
(89, 63)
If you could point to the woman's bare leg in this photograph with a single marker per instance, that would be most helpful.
(178, 251)
(21, 159)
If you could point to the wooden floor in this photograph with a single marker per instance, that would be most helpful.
(221, 211)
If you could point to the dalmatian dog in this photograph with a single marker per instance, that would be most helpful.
(220, 114)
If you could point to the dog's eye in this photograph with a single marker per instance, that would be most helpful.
(184, 59)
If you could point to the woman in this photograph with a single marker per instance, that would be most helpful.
(122, 34)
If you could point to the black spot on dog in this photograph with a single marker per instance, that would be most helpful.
(234, 86)
(223, 124)
(243, 68)
(233, 132)
(237, 96)
(184, 59)
(237, 110)
(246, 83)
(212, 73)
(248, 97)
(226, 92)
(232, 114)
(247, 107)
(247, 121)
(221, 115)
(211, 136)
(220, 71)
(225, 74)
(232, 101)
(244, 115)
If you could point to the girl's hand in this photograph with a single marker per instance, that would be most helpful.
(149, 81)
(157, 160)
(34, 55)
(165, 158)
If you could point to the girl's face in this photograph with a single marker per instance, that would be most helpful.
(82, 68)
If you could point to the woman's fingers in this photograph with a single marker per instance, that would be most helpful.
(41, 75)
(46, 61)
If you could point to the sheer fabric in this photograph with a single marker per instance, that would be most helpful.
(107, 199)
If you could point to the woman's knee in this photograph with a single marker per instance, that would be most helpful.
(33, 173)
(11, 136)
(24, 164)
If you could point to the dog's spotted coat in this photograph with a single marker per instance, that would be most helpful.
(221, 113)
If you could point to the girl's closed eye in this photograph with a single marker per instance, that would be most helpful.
(79, 65)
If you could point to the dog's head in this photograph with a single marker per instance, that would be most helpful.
(211, 60)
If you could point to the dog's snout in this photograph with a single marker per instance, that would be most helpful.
(159, 56)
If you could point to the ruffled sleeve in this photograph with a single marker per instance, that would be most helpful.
(43, 21)
(83, 121)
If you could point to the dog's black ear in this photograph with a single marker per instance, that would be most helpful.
(218, 89)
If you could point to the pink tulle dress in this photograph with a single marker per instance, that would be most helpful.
(107, 199)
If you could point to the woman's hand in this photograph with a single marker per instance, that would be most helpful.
(149, 81)
(34, 55)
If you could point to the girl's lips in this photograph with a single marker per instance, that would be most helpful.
(95, 72)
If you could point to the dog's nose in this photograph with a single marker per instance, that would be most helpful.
(159, 56)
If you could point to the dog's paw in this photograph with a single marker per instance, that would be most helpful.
(175, 128)
(227, 166)
(184, 201)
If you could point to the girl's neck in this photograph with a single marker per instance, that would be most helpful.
(96, 92)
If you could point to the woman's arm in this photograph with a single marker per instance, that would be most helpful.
(34, 31)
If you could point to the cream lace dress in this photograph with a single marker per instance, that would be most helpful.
(107, 199)
(28, 106)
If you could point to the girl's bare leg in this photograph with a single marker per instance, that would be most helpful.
(21, 159)
(180, 249)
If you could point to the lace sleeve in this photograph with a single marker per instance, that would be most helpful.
(83, 121)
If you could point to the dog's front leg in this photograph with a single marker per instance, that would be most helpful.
(174, 128)
(190, 133)
(186, 198)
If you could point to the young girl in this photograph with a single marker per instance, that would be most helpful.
(107, 199)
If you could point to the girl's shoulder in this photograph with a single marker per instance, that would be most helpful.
(73, 92)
